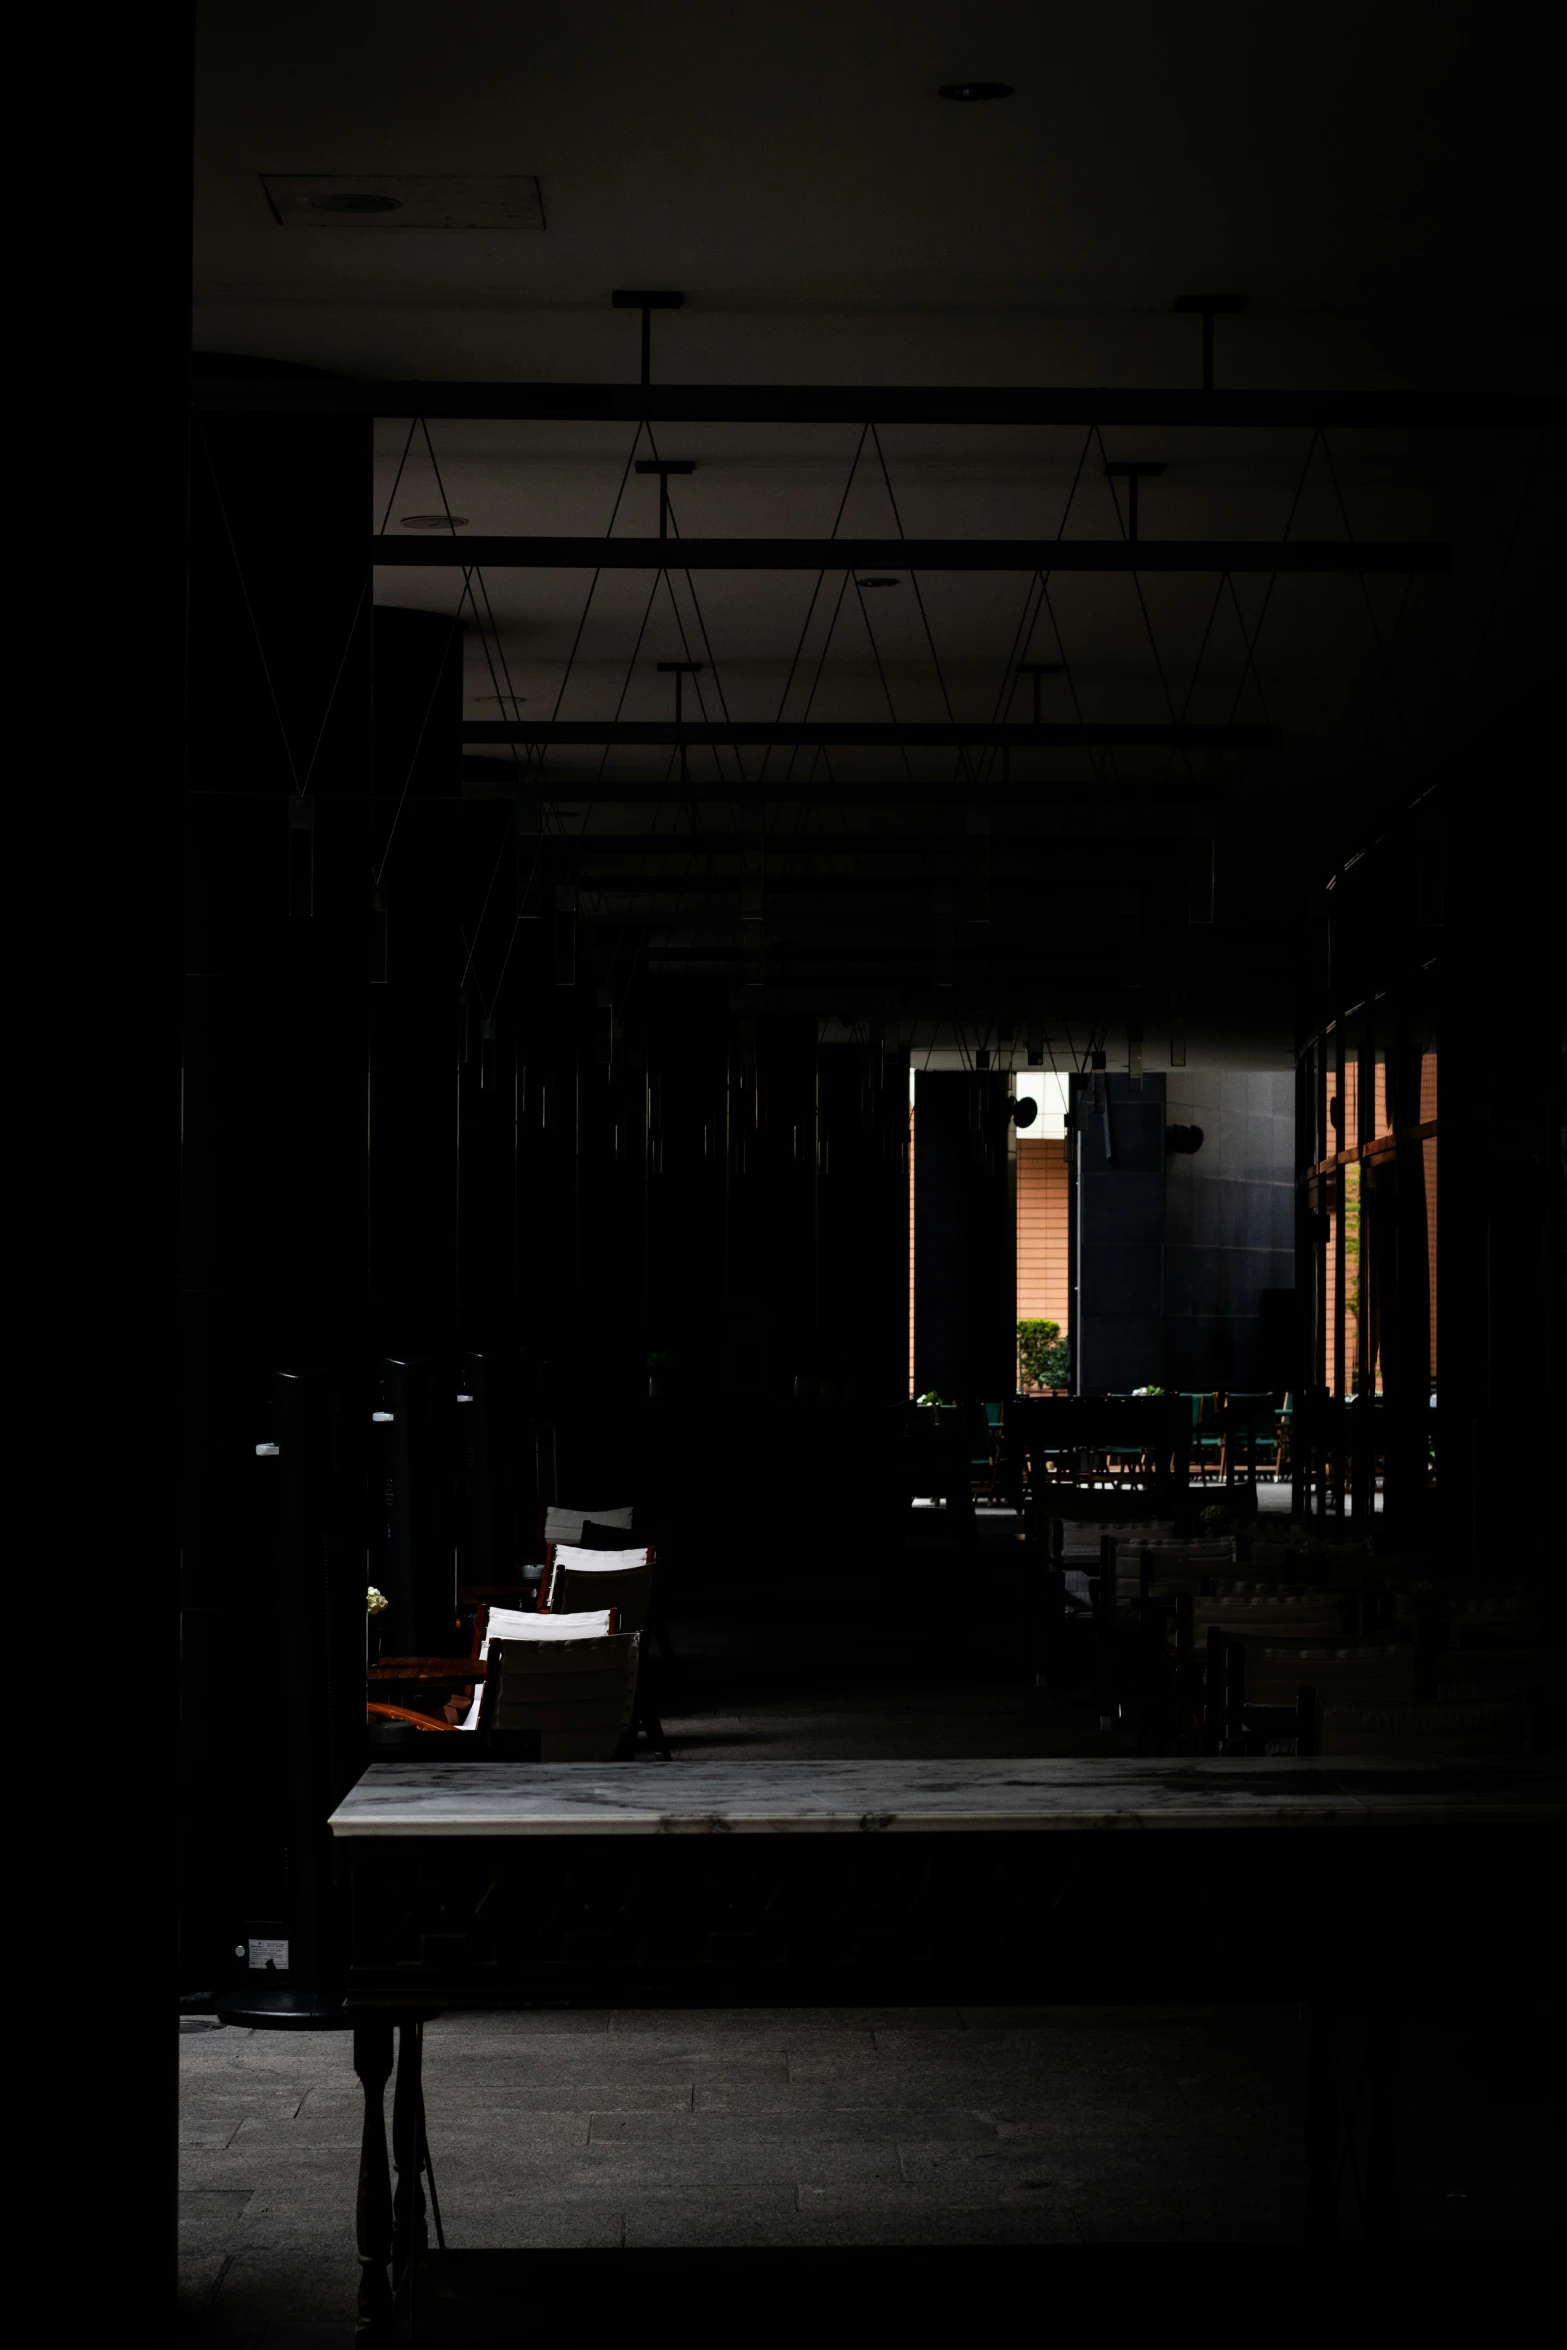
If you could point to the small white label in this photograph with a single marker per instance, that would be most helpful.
(269, 1957)
(266, 1452)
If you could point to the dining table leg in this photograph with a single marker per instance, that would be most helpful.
(373, 2064)
(408, 2206)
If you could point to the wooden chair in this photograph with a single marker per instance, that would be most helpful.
(1161, 1569)
(470, 1673)
(1236, 1698)
(565, 1525)
(579, 1580)
(1427, 1730)
(589, 1580)
(578, 1696)
(1365, 1671)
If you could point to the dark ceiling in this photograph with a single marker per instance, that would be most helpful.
(1372, 181)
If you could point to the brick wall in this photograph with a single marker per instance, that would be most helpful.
(1042, 1286)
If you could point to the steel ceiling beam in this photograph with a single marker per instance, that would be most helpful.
(874, 404)
(1106, 802)
(586, 847)
(904, 555)
(878, 734)
(1013, 883)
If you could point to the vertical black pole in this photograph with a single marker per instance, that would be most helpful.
(1383, 2216)
(1207, 356)
(322, 1581)
(1321, 2128)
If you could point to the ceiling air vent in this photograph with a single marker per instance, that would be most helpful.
(396, 200)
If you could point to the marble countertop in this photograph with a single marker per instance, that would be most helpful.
(814, 1798)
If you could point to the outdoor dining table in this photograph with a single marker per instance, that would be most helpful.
(489, 1884)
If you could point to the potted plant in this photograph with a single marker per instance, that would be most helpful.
(1041, 1355)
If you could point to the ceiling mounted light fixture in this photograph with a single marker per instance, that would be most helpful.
(355, 203)
(435, 521)
(402, 200)
(971, 93)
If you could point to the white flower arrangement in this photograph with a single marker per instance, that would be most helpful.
(376, 1602)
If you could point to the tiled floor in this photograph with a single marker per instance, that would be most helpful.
(743, 2128)
(801, 2128)
(952, 2127)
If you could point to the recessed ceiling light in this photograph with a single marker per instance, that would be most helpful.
(878, 583)
(355, 203)
(401, 200)
(969, 93)
(435, 521)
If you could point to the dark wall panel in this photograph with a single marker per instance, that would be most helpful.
(1230, 1231)
(965, 1239)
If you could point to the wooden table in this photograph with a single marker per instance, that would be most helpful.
(413, 1672)
(480, 1884)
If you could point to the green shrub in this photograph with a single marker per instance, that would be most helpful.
(1041, 1355)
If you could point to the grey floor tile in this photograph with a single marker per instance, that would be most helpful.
(534, 2023)
(540, 2133)
(324, 2175)
(815, 2126)
(770, 2218)
(287, 2285)
(755, 2023)
(591, 2094)
(211, 2219)
(255, 2093)
(197, 2277)
(1144, 2219)
(642, 2056)
(196, 2130)
(524, 2221)
(305, 2223)
(857, 2215)
(702, 2168)
(940, 2089)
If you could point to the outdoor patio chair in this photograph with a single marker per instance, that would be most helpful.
(576, 1695)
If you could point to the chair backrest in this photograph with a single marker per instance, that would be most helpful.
(509, 1623)
(1314, 1615)
(1366, 1672)
(578, 1695)
(1424, 1732)
(563, 1525)
(589, 1580)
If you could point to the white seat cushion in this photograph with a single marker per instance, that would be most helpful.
(598, 1562)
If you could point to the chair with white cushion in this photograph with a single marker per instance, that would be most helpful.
(563, 1525)
(593, 1579)
(509, 1623)
(580, 1580)
(576, 1695)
